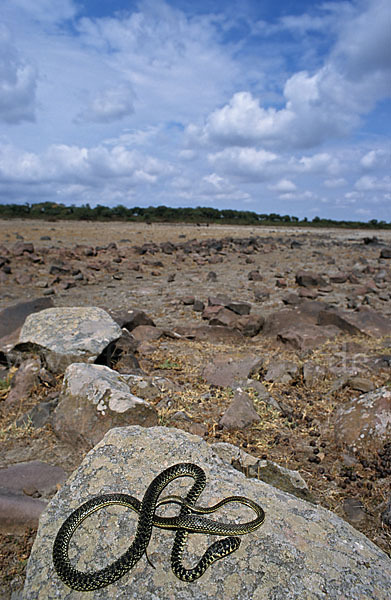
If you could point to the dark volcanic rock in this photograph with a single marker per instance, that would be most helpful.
(230, 371)
(250, 325)
(310, 279)
(362, 321)
(131, 318)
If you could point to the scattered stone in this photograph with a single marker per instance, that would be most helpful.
(198, 306)
(39, 415)
(147, 333)
(313, 373)
(354, 510)
(364, 321)
(214, 334)
(224, 317)
(131, 318)
(250, 325)
(240, 308)
(129, 458)
(94, 399)
(309, 279)
(240, 413)
(254, 276)
(360, 384)
(385, 253)
(307, 337)
(291, 299)
(386, 514)
(24, 381)
(262, 393)
(338, 277)
(219, 300)
(230, 371)
(281, 371)
(20, 248)
(261, 295)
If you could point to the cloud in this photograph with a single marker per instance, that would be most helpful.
(283, 186)
(320, 106)
(108, 106)
(368, 183)
(18, 82)
(74, 165)
(245, 162)
(335, 183)
(375, 158)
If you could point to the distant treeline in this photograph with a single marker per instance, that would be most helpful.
(166, 214)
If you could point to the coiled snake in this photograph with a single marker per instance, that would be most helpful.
(184, 523)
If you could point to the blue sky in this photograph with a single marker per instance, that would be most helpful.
(254, 105)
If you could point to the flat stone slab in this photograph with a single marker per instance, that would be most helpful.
(32, 475)
(300, 552)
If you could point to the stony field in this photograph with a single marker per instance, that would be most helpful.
(304, 314)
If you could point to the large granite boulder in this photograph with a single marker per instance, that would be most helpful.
(69, 334)
(94, 399)
(301, 551)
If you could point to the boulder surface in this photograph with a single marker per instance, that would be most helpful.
(70, 334)
(301, 551)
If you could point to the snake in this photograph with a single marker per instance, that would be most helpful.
(189, 520)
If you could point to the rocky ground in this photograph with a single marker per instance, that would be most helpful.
(304, 314)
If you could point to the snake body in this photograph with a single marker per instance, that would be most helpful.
(189, 520)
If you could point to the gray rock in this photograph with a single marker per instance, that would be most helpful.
(363, 321)
(386, 514)
(301, 551)
(25, 379)
(309, 279)
(262, 393)
(265, 470)
(229, 371)
(281, 371)
(147, 333)
(313, 373)
(240, 413)
(250, 325)
(39, 415)
(307, 337)
(94, 399)
(70, 334)
(214, 334)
